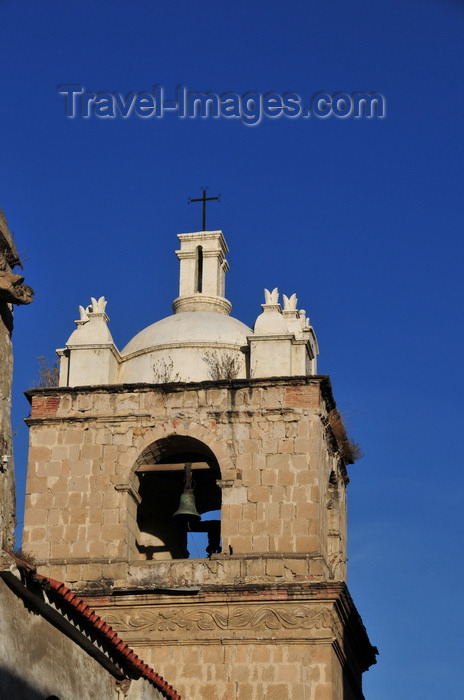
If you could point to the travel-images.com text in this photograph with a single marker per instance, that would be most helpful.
(250, 107)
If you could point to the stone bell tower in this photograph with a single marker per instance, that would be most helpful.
(260, 608)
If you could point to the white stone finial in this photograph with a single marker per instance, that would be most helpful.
(271, 297)
(303, 319)
(83, 315)
(97, 307)
(290, 303)
(90, 356)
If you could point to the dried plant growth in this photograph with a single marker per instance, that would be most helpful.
(164, 372)
(24, 556)
(349, 450)
(49, 375)
(222, 365)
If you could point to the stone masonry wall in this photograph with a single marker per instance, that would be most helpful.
(263, 618)
(271, 443)
(270, 671)
(287, 642)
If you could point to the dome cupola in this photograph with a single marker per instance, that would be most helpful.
(200, 341)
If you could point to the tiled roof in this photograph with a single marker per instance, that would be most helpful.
(129, 659)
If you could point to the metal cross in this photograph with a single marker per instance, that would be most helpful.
(204, 199)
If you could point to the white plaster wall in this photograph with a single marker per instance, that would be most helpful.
(91, 365)
(270, 358)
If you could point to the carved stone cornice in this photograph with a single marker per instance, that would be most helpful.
(234, 621)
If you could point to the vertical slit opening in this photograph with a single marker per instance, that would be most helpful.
(199, 270)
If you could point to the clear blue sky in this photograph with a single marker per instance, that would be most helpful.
(362, 218)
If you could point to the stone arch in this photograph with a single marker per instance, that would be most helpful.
(159, 472)
(210, 435)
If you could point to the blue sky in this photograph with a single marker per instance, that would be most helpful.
(362, 218)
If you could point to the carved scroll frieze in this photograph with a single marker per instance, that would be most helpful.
(232, 619)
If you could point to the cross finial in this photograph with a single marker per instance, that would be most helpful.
(204, 199)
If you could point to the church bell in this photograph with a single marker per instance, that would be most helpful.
(187, 506)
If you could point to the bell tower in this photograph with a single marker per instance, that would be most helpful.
(247, 453)
(203, 267)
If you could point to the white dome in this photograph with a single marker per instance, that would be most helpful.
(200, 342)
(190, 328)
(187, 347)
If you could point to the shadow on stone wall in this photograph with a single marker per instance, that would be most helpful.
(13, 687)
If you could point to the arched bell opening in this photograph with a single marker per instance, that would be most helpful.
(179, 500)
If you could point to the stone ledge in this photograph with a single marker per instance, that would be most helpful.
(322, 379)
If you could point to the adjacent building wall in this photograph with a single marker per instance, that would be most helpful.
(12, 291)
(37, 660)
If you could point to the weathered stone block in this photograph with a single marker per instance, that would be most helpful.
(43, 500)
(285, 477)
(242, 544)
(275, 527)
(279, 691)
(59, 550)
(112, 532)
(78, 484)
(285, 446)
(37, 516)
(235, 496)
(80, 549)
(245, 527)
(229, 528)
(73, 436)
(299, 527)
(278, 461)
(258, 494)
(260, 543)
(306, 543)
(260, 527)
(284, 543)
(275, 567)
(251, 478)
(36, 484)
(304, 445)
(269, 477)
(269, 446)
(39, 453)
(38, 534)
(323, 691)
